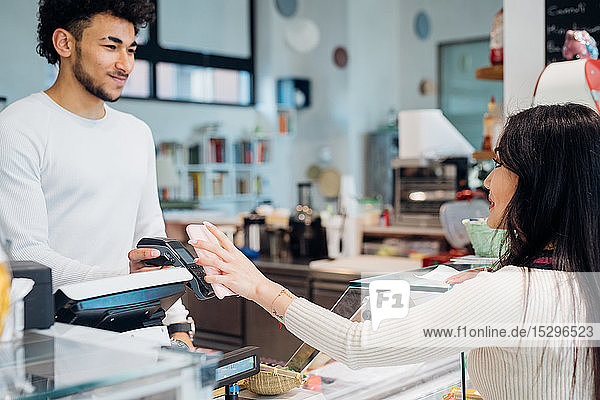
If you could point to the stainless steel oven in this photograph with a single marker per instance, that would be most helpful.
(421, 187)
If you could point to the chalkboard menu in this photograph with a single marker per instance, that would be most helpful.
(562, 15)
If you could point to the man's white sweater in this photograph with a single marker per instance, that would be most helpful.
(76, 194)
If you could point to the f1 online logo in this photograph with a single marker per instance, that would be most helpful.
(388, 299)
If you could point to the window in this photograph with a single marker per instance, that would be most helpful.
(197, 51)
(463, 98)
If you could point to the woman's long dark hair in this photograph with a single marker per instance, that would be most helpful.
(555, 152)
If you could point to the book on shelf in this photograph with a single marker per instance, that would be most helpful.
(195, 154)
(217, 150)
(242, 152)
(197, 183)
(262, 151)
(242, 186)
(218, 184)
(258, 185)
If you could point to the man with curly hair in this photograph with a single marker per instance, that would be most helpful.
(78, 177)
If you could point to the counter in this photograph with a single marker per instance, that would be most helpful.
(70, 360)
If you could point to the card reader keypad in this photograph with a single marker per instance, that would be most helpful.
(169, 256)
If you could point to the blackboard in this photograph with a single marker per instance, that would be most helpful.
(562, 15)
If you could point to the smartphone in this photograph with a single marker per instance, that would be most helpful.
(201, 232)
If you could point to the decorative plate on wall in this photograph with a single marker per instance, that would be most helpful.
(302, 34)
(422, 25)
(340, 57)
(329, 183)
(287, 8)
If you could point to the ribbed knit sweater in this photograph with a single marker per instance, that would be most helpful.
(492, 299)
(76, 194)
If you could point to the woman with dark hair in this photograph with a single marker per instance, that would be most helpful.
(545, 192)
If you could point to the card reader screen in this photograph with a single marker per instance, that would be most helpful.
(235, 368)
(183, 253)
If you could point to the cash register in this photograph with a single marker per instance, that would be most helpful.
(136, 301)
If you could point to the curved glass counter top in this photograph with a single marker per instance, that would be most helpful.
(68, 360)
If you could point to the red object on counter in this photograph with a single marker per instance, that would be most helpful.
(466, 194)
(384, 219)
(313, 383)
(443, 257)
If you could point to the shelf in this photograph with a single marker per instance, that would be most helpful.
(224, 167)
(490, 73)
(244, 167)
(178, 204)
(483, 155)
(222, 182)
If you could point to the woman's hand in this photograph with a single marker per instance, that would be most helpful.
(238, 273)
(463, 276)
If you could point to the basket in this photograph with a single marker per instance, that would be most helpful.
(274, 380)
(487, 242)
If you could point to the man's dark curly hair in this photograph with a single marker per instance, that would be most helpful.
(75, 16)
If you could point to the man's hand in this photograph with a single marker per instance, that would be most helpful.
(137, 259)
(185, 338)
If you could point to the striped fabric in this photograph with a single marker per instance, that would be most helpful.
(490, 299)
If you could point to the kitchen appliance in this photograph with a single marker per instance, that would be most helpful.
(421, 187)
(381, 148)
(307, 236)
(254, 232)
(278, 241)
(432, 166)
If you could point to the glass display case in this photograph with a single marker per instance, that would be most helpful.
(68, 360)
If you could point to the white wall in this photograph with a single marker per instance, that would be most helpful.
(524, 51)
(325, 122)
(450, 21)
(22, 71)
(373, 87)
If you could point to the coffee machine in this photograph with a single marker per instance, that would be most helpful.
(307, 235)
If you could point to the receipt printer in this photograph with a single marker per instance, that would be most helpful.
(39, 303)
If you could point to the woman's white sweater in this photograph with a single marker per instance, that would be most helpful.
(499, 369)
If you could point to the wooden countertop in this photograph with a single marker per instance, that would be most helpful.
(403, 230)
(366, 263)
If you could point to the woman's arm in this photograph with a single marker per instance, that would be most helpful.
(432, 330)
(487, 300)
